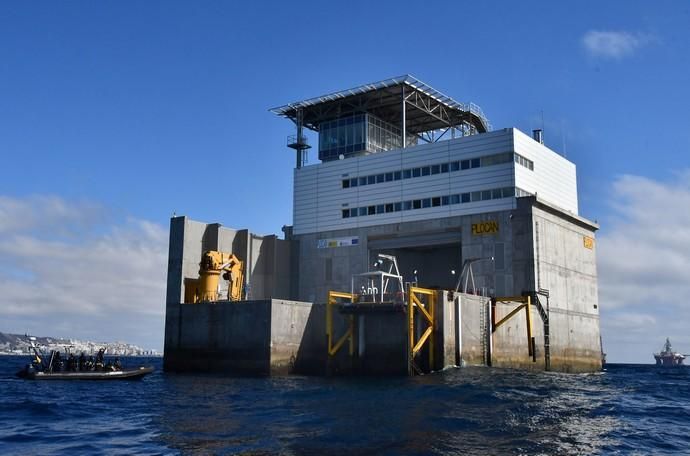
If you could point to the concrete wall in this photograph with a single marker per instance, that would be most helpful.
(245, 337)
(509, 347)
(473, 334)
(566, 266)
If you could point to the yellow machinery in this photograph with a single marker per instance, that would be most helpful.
(212, 264)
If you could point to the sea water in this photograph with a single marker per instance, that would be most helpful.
(627, 409)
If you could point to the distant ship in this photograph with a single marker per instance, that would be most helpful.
(668, 357)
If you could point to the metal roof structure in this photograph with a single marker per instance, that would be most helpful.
(425, 108)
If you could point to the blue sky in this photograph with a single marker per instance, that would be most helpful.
(113, 116)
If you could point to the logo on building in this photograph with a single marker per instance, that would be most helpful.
(490, 227)
(588, 242)
(337, 242)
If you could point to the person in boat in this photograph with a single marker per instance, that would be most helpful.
(99, 360)
(117, 365)
(90, 364)
(82, 362)
(56, 365)
(72, 363)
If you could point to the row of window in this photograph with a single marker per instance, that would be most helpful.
(436, 201)
(441, 168)
(526, 162)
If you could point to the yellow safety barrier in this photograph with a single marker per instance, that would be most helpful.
(526, 302)
(427, 310)
(333, 297)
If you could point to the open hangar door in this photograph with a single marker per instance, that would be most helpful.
(434, 256)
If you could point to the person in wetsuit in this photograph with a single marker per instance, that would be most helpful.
(56, 365)
(99, 360)
(71, 363)
(82, 361)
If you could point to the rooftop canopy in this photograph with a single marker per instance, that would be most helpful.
(425, 109)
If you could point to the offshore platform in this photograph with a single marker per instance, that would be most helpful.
(422, 239)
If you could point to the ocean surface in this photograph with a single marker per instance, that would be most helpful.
(627, 410)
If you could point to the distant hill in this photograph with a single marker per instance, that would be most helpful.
(18, 344)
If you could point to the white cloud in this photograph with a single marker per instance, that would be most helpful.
(67, 270)
(644, 267)
(615, 45)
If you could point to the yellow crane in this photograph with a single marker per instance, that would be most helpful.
(212, 265)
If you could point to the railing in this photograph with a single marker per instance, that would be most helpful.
(333, 297)
(427, 309)
(294, 140)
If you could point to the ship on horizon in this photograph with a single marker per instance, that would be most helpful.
(667, 357)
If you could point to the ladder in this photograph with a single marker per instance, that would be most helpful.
(484, 331)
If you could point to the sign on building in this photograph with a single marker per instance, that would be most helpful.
(490, 227)
(337, 242)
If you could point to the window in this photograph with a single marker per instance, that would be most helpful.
(416, 172)
(398, 207)
(454, 199)
(397, 175)
(353, 212)
(455, 166)
(389, 177)
(476, 196)
(436, 201)
(465, 198)
(346, 213)
(407, 205)
(371, 180)
(389, 207)
(496, 193)
(371, 210)
(379, 178)
(508, 192)
(426, 202)
(353, 182)
(435, 169)
(465, 164)
(445, 200)
(416, 204)
(362, 211)
(475, 163)
(486, 195)
(362, 181)
(380, 209)
(346, 183)
(426, 171)
(444, 168)
(407, 174)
